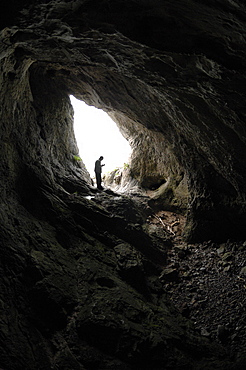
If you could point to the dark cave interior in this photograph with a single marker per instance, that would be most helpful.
(152, 276)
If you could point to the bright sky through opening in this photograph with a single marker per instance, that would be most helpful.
(98, 135)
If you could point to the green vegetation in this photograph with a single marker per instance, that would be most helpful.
(77, 158)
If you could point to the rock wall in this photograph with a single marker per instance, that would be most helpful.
(153, 166)
(73, 274)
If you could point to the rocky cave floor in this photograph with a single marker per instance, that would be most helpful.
(205, 281)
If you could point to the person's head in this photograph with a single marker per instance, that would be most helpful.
(101, 158)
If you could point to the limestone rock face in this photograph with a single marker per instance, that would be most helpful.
(172, 75)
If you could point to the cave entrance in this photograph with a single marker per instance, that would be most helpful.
(97, 134)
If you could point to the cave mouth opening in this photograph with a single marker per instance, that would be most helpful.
(97, 134)
(137, 159)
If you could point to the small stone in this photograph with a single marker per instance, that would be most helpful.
(227, 256)
(234, 336)
(243, 271)
(186, 274)
(221, 249)
(205, 333)
(170, 274)
(227, 268)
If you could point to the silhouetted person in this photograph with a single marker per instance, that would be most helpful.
(98, 172)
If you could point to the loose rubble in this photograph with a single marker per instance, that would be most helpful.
(207, 283)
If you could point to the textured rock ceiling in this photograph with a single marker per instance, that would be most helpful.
(172, 75)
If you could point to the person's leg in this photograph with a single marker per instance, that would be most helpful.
(99, 180)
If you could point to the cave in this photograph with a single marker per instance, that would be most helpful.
(96, 133)
(94, 279)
